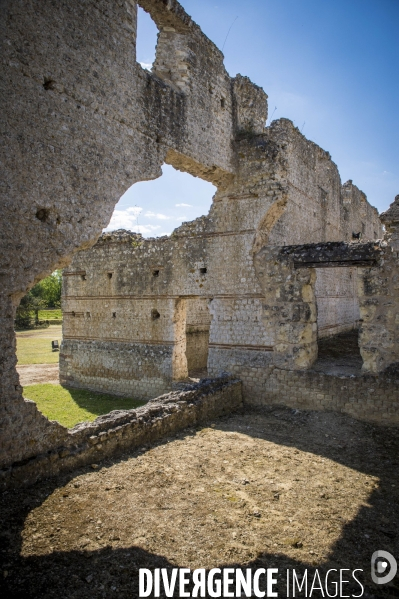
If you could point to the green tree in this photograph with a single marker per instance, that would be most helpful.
(49, 290)
(29, 305)
(45, 294)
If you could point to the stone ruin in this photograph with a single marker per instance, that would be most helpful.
(141, 314)
(82, 122)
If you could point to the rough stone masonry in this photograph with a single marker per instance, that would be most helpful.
(81, 122)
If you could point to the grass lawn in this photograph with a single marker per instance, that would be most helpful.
(70, 406)
(34, 346)
(55, 314)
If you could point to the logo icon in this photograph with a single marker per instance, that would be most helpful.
(383, 567)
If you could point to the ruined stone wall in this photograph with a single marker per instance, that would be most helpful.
(379, 301)
(124, 430)
(82, 122)
(321, 210)
(210, 260)
(370, 398)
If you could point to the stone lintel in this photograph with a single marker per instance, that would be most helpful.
(331, 254)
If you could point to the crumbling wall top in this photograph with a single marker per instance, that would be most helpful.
(391, 215)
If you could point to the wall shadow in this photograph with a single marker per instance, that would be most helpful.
(113, 572)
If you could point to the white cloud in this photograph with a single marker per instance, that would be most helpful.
(157, 215)
(145, 229)
(183, 205)
(146, 65)
(125, 219)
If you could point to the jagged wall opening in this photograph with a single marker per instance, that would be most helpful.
(146, 40)
(80, 132)
(155, 208)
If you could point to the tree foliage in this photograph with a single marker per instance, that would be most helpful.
(46, 294)
(29, 306)
(49, 290)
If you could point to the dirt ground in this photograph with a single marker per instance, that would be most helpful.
(266, 488)
(33, 374)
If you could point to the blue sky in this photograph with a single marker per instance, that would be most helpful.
(331, 66)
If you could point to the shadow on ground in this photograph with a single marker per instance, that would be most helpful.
(33, 565)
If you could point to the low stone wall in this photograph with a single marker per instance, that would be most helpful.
(122, 430)
(139, 370)
(367, 397)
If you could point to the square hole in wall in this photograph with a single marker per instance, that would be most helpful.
(203, 270)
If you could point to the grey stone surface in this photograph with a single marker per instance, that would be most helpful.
(81, 121)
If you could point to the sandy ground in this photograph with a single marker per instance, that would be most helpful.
(33, 374)
(265, 488)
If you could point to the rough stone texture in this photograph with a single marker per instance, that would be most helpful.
(81, 122)
(288, 278)
(379, 301)
(332, 255)
(366, 397)
(125, 429)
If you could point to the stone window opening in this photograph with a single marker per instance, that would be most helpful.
(146, 40)
(155, 273)
(88, 315)
(83, 277)
(113, 314)
(155, 314)
(222, 102)
(109, 275)
(203, 270)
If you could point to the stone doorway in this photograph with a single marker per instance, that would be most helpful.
(338, 320)
(198, 322)
(192, 322)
